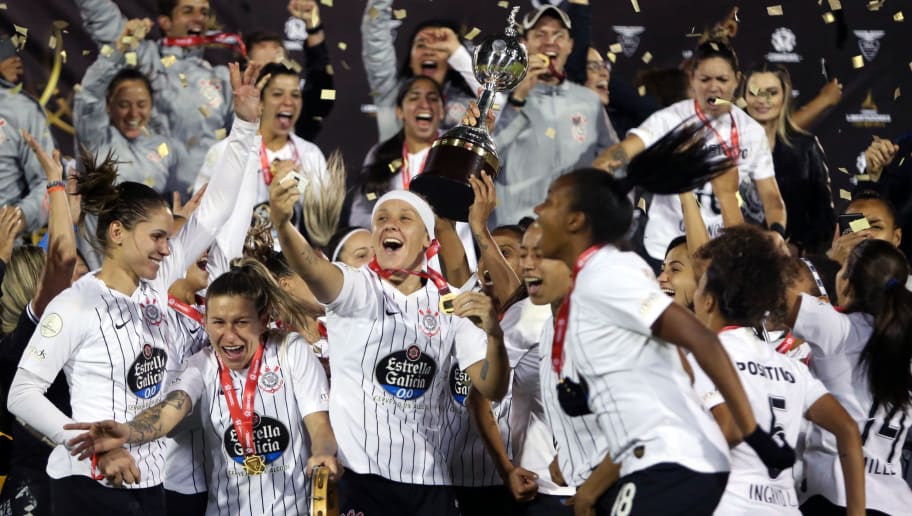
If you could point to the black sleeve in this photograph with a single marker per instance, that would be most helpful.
(11, 348)
(316, 79)
(581, 32)
(821, 201)
(2, 270)
(624, 98)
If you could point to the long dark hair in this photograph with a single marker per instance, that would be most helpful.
(677, 162)
(453, 78)
(876, 274)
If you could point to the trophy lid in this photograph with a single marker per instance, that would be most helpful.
(500, 62)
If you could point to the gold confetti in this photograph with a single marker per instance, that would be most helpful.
(753, 89)
(896, 93)
(612, 56)
(127, 40)
(472, 33)
(875, 5)
(828, 17)
(371, 196)
(863, 177)
(61, 24)
(616, 48)
(204, 111)
(859, 225)
(220, 134)
(63, 56)
(21, 30)
(329, 70)
(647, 57)
(106, 50)
(395, 165)
(16, 89)
(2, 7)
(636, 6)
(641, 90)
(505, 5)
(130, 58)
(898, 17)
(641, 204)
(714, 45)
(183, 80)
(163, 149)
(741, 103)
(835, 5)
(167, 61)
(327, 94)
(857, 62)
(399, 14)
(495, 107)
(551, 133)
(345, 66)
(740, 199)
(903, 160)
(86, 52)
(774, 10)
(373, 13)
(843, 170)
(343, 45)
(327, 3)
(52, 41)
(77, 88)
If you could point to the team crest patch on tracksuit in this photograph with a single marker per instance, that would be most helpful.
(211, 90)
(580, 123)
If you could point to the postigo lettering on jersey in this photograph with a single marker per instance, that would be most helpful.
(406, 374)
(146, 373)
(460, 383)
(270, 440)
(777, 374)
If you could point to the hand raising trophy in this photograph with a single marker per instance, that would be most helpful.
(500, 63)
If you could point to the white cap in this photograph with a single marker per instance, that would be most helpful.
(532, 17)
(415, 201)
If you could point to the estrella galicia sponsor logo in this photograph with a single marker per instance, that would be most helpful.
(869, 42)
(460, 383)
(147, 372)
(270, 439)
(628, 37)
(406, 374)
(784, 42)
(869, 116)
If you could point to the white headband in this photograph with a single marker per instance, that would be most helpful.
(341, 243)
(420, 205)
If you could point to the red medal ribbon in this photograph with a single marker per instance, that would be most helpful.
(786, 345)
(224, 39)
(242, 419)
(439, 281)
(190, 311)
(563, 313)
(406, 173)
(733, 152)
(266, 167)
(729, 327)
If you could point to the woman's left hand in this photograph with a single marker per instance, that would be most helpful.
(479, 308)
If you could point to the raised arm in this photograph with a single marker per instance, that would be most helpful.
(503, 277)
(813, 111)
(619, 155)
(317, 75)
(102, 19)
(491, 375)
(378, 51)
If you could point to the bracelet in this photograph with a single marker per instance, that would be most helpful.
(778, 228)
(56, 183)
(513, 101)
(316, 29)
(55, 188)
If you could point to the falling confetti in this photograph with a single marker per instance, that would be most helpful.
(345, 66)
(167, 61)
(859, 225)
(52, 41)
(898, 17)
(641, 90)
(63, 56)
(551, 133)
(163, 149)
(327, 3)
(204, 111)
(857, 62)
(828, 18)
(774, 10)
(616, 48)
(472, 34)
(327, 94)
(373, 13)
(399, 14)
(636, 6)
(21, 30)
(843, 170)
(371, 196)
(329, 70)
(647, 57)
(106, 50)
(611, 56)
(130, 58)
(896, 93)
(86, 52)
(505, 5)
(835, 5)
(220, 134)
(2, 7)
(343, 45)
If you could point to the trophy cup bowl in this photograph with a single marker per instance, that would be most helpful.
(499, 63)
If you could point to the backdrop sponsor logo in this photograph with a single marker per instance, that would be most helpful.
(784, 42)
(869, 42)
(295, 33)
(869, 116)
(628, 37)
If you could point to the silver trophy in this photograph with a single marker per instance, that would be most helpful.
(500, 63)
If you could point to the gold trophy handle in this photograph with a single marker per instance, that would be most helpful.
(55, 70)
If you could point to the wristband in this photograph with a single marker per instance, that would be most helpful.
(778, 228)
(55, 188)
(55, 184)
(513, 101)
(315, 29)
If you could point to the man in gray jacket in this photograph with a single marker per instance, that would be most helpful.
(549, 125)
(22, 180)
(192, 98)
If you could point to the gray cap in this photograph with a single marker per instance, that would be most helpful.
(7, 49)
(532, 17)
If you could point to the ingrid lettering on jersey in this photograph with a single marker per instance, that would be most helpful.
(406, 374)
(145, 375)
(773, 494)
(270, 439)
(460, 383)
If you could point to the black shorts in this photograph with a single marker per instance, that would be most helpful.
(818, 505)
(485, 501)
(663, 489)
(77, 495)
(373, 495)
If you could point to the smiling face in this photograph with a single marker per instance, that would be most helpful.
(765, 97)
(281, 104)
(597, 75)
(130, 107)
(714, 77)
(399, 236)
(425, 59)
(677, 277)
(421, 111)
(547, 281)
(235, 329)
(550, 37)
(357, 250)
(188, 18)
(142, 248)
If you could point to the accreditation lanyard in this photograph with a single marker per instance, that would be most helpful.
(563, 313)
(732, 152)
(190, 311)
(266, 167)
(406, 172)
(224, 39)
(242, 418)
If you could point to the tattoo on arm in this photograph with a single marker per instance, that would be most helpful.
(147, 425)
(619, 154)
(480, 241)
(484, 369)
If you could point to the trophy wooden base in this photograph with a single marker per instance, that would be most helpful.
(444, 182)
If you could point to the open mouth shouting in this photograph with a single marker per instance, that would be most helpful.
(533, 285)
(284, 120)
(429, 67)
(424, 119)
(234, 353)
(392, 244)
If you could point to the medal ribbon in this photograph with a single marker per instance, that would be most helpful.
(406, 173)
(786, 345)
(190, 311)
(563, 313)
(733, 152)
(242, 419)
(266, 167)
(224, 39)
(439, 281)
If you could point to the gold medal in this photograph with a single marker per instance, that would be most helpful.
(254, 464)
(446, 303)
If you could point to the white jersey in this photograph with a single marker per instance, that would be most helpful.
(291, 386)
(638, 389)
(837, 341)
(666, 220)
(469, 462)
(391, 356)
(780, 390)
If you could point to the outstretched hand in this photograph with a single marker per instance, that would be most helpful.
(53, 169)
(484, 203)
(246, 90)
(101, 437)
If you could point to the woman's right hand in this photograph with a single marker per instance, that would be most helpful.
(100, 437)
(53, 169)
(283, 194)
(878, 155)
(134, 31)
(485, 201)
